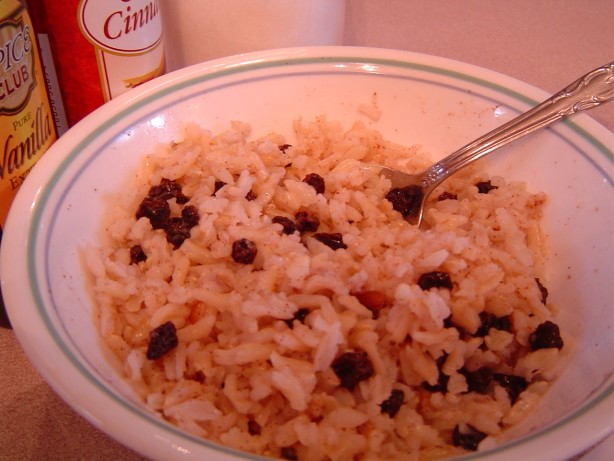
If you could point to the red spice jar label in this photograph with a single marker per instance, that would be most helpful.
(103, 48)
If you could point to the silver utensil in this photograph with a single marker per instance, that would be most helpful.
(410, 191)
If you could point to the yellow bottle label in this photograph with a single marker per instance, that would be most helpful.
(26, 121)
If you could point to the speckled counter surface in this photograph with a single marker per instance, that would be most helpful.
(546, 43)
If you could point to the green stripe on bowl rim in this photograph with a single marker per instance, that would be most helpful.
(170, 87)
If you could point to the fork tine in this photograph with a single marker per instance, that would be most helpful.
(398, 178)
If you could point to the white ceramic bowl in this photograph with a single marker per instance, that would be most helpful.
(440, 104)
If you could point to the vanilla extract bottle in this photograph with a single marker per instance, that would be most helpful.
(27, 126)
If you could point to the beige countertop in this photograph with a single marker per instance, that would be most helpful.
(546, 43)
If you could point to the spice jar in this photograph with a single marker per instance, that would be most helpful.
(102, 48)
(27, 126)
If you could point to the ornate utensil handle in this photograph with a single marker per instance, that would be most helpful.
(590, 90)
(587, 92)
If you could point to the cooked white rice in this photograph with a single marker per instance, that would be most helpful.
(248, 376)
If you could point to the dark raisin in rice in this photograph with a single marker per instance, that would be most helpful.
(217, 186)
(545, 336)
(479, 380)
(289, 453)
(435, 279)
(514, 385)
(286, 223)
(155, 207)
(137, 254)
(447, 196)
(449, 323)
(352, 368)
(406, 200)
(168, 189)
(316, 181)
(489, 321)
(392, 404)
(331, 240)
(177, 231)
(190, 216)
(244, 251)
(162, 340)
(156, 210)
(284, 147)
(462, 333)
(300, 315)
(442, 379)
(251, 195)
(306, 222)
(199, 377)
(469, 438)
(253, 427)
(542, 290)
(484, 187)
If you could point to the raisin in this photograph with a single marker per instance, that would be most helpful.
(542, 290)
(484, 187)
(545, 336)
(489, 321)
(162, 340)
(284, 147)
(449, 323)
(334, 240)
(352, 368)
(156, 210)
(199, 377)
(244, 251)
(289, 453)
(406, 200)
(514, 385)
(190, 216)
(393, 403)
(469, 438)
(182, 199)
(479, 380)
(155, 207)
(306, 222)
(167, 190)
(288, 225)
(435, 279)
(217, 186)
(316, 181)
(250, 196)
(137, 254)
(299, 315)
(442, 379)
(447, 196)
(177, 231)
(253, 427)
(504, 323)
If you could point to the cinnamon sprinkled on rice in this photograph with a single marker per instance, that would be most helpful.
(378, 340)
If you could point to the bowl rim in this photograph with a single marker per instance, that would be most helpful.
(599, 406)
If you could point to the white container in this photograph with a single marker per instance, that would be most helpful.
(200, 30)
